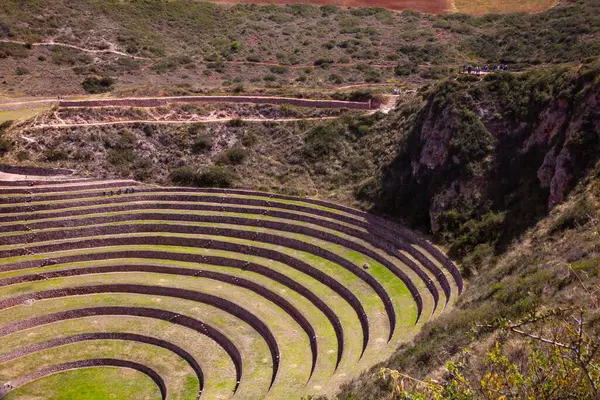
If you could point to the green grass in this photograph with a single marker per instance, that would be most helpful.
(216, 365)
(371, 302)
(194, 194)
(295, 357)
(174, 370)
(250, 344)
(322, 327)
(353, 256)
(98, 383)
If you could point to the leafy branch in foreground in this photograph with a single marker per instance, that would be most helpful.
(549, 355)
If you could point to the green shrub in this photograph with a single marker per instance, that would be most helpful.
(202, 143)
(279, 69)
(193, 129)
(466, 233)
(322, 141)
(471, 140)
(249, 140)
(236, 122)
(21, 155)
(335, 78)
(64, 56)
(5, 145)
(94, 85)
(588, 265)
(121, 157)
(235, 155)
(184, 176)
(406, 68)
(5, 125)
(53, 155)
(215, 176)
(21, 71)
(323, 62)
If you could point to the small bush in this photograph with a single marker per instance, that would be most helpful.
(236, 122)
(335, 78)
(5, 125)
(184, 176)
(249, 140)
(279, 69)
(235, 155)
(22, 155)
(98, 85)
(121, 157)
(202, 143)
(194, 129)
(213, 176)
(53, 155)
(21, 71)
(322, 141)
(5, 145)
(323, 62)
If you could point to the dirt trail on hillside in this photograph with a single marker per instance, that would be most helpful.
(176, 122)
(95, 51)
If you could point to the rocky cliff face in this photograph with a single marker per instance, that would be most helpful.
(509, 144)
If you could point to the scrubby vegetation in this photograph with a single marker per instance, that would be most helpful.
(214, 176)
(343, 47)
(98, 85)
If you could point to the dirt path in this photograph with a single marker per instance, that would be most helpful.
(177, 122)
(120, 53)
(93, 51)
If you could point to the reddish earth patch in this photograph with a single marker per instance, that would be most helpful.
(425, 6)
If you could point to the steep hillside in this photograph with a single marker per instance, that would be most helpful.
(486, 159)
(486, 165)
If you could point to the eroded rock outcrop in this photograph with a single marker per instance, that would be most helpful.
(515, 144)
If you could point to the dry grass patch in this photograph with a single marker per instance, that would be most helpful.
(481, 7)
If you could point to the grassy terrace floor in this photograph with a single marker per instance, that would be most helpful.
(306, 292)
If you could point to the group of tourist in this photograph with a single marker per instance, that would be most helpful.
(120, 191)
(470, 69)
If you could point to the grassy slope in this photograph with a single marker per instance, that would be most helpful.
(534, 273)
